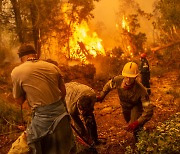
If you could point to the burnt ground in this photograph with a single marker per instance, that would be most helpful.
(110, 121)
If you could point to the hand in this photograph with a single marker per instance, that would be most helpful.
(21, 127)
(99, 99)
(89, 141)
(85, 141)
(132, 126)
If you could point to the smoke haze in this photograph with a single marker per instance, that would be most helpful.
(106, 16)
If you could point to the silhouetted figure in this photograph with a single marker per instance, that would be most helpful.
(145, 72)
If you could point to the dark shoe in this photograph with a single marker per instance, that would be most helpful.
(149, 91)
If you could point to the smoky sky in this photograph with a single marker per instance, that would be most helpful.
(106, 16)
(106, 10)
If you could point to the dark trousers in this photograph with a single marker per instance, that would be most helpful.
(91, 126)
(131, 115)
(88, 128)
(145, 77)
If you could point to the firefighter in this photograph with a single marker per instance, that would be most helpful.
(145, 72)
(80, 100)
(134, 99)
(42, 85)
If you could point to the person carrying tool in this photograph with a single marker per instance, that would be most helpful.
(136, 106)
(145, 72)
(42, 85)
(80, 100)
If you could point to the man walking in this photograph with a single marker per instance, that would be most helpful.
(136, 106)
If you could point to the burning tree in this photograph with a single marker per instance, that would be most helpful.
(81, 44)
(56, 27)
(167, 25)
(133, 41)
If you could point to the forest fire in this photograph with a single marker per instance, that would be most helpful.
(70, 52)
(126, 29)
(83, 44)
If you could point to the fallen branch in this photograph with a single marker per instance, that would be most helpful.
(165, 46)
(9, 122)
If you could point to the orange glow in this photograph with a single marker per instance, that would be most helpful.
(128, 48)
(83, 43)
(125, 24)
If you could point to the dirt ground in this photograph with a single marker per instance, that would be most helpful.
(110, 121)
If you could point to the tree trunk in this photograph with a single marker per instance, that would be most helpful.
(18, 20)
(35, 27)
(0, 27)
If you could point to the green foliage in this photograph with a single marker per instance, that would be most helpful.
(83, 8)
(167, 19)
(40, 19)
(129, 150)
(139, 40)
(165, 139)
(117, 52)
(133, 23)
(135, 39)
(170, 10)
(167, 23)
(10, 116)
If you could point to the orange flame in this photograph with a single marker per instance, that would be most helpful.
(128, 47)
(82, 43)
(125, 24)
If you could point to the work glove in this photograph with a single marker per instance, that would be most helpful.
(132, 126)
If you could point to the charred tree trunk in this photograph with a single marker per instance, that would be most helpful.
(35, 26)
(68, 42)
(0, 26)
(18, 20)
(70, 31)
